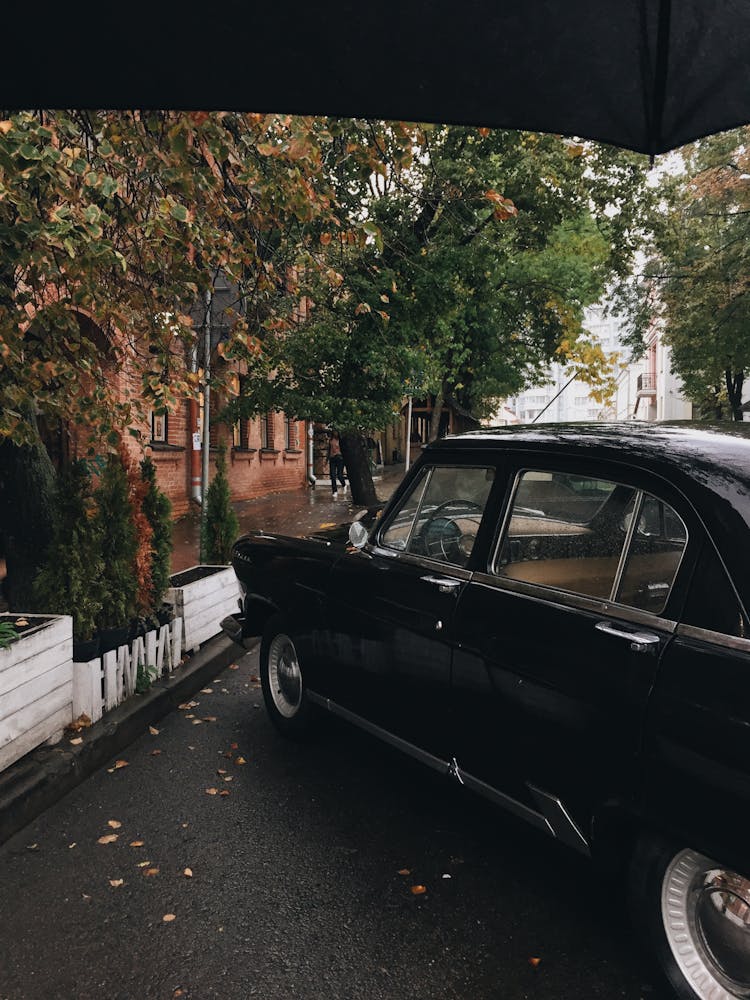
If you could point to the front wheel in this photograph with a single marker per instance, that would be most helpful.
(283, 683)
(694, 916)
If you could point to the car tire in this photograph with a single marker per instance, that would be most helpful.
(693, 918)
(282, 682)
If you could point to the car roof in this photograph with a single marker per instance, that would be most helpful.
(708, 463)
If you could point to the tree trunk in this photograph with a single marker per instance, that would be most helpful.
(358, 469)
(27, 483)
(437, 412)
(735, 381)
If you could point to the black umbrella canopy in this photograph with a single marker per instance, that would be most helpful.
(648, 75)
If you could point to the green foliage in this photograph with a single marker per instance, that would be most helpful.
(158, 511)
(118, 546)
(220, 523)
(145, 677)
(70, 582)
(7, 634)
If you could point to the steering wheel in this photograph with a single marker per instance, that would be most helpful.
(441, 536)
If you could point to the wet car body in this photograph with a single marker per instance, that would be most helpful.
(556, 617)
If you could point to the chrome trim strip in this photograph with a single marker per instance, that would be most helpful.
(561, 822)
(382, 734)
(424, 562)
(505, 801)
(566, 601)
(717, 638)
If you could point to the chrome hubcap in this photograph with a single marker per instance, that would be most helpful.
(284, 675)
(706, 915)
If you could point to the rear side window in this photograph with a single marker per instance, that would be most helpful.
(712, 603)
(592, 537)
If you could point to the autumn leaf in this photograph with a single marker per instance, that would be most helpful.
(207, 690)
(221, 770)
(150, 872)
(136, 843)
(76, 742)
(240, 760)
(404, 871)
(233, 666)
(418, 890)
(188, 873)
(143, 864)
(534, 961)
(114, 824)
(325, 239)
(168, 918)
(119, 764)
(21, 622)
(209, 718)
(227, 777)
(153, 730)
(224, 792)
(234, 746)
(155, 753)
(115, 882)
(212, 791)
(108, 838)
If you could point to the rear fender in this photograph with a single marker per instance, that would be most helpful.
(258, 611)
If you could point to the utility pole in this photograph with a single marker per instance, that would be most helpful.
(206, 428)
(408, 438)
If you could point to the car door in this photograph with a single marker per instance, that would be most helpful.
(392, 606)
(559, 639)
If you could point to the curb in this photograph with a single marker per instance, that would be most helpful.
(45, 775)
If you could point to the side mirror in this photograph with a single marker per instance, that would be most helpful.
(358, 534)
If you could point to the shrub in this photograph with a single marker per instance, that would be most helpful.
(118, 544)
(70, 582)
(142, 559)
(158, 510)
(220, 524)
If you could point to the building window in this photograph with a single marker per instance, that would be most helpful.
(290, 433)
(158, 427)
(581, 401)
(266, 439)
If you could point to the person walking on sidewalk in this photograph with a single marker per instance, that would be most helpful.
(336, 463)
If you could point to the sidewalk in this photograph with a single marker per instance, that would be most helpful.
(296, 513)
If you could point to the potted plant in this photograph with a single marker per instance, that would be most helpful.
(158, 511)
(220, 525)
(69, 582)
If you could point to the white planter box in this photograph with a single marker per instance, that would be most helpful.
(36, 687)
(204, 602)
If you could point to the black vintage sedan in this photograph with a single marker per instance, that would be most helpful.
(557, 618)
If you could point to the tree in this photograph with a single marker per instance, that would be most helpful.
(481, 250)
(158, 510)
(118, 581)
(697, 283)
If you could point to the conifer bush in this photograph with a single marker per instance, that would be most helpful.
(119, 585)
(220, 524)
(158, 511)
(70, 581)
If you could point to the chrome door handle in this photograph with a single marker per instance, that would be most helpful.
(445, 584)
(640, 642)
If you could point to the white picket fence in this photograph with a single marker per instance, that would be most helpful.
(104, 683)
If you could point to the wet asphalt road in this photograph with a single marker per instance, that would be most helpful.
(295, 891)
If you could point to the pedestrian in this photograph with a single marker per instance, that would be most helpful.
(336, 462)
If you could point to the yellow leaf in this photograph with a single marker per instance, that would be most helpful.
(212, 791)
(115, 882)
(120, 763)
(143, 864)
(240, 760)
(109, 838)
(418, 890)
(136, 843)
(114, 824)
(168, 918)
(188, 873)
(21, 622)
(149, 872)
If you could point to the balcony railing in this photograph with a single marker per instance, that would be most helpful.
(646, 385)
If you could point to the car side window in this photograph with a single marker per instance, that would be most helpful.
(569, 532)
(440, 516)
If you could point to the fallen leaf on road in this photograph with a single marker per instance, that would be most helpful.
(227, 777)
(82, 722)
(72, 845)
(404, 871)
(191, 716)
(233, 666)
(234, 746)
(109, 838)
(120, 763)
(187, 705)
(207, 690)
(446, 876)
(115, 882)
(168, 918)
(418, 890)
(188, 873)
(179, 992)
(115, 824)
(221, 771)
(151, 871)
(209, 718)
(197, 722)
(155, 753)
(136, 843)
(32, 847)
(76, 741)
(254, 679)
(212, 791)
(143, 864)
(240, 760)
(224, 792)
(534, 961)
(227, 754)
(153, 730)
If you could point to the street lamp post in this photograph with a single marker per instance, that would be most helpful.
(206, 425)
